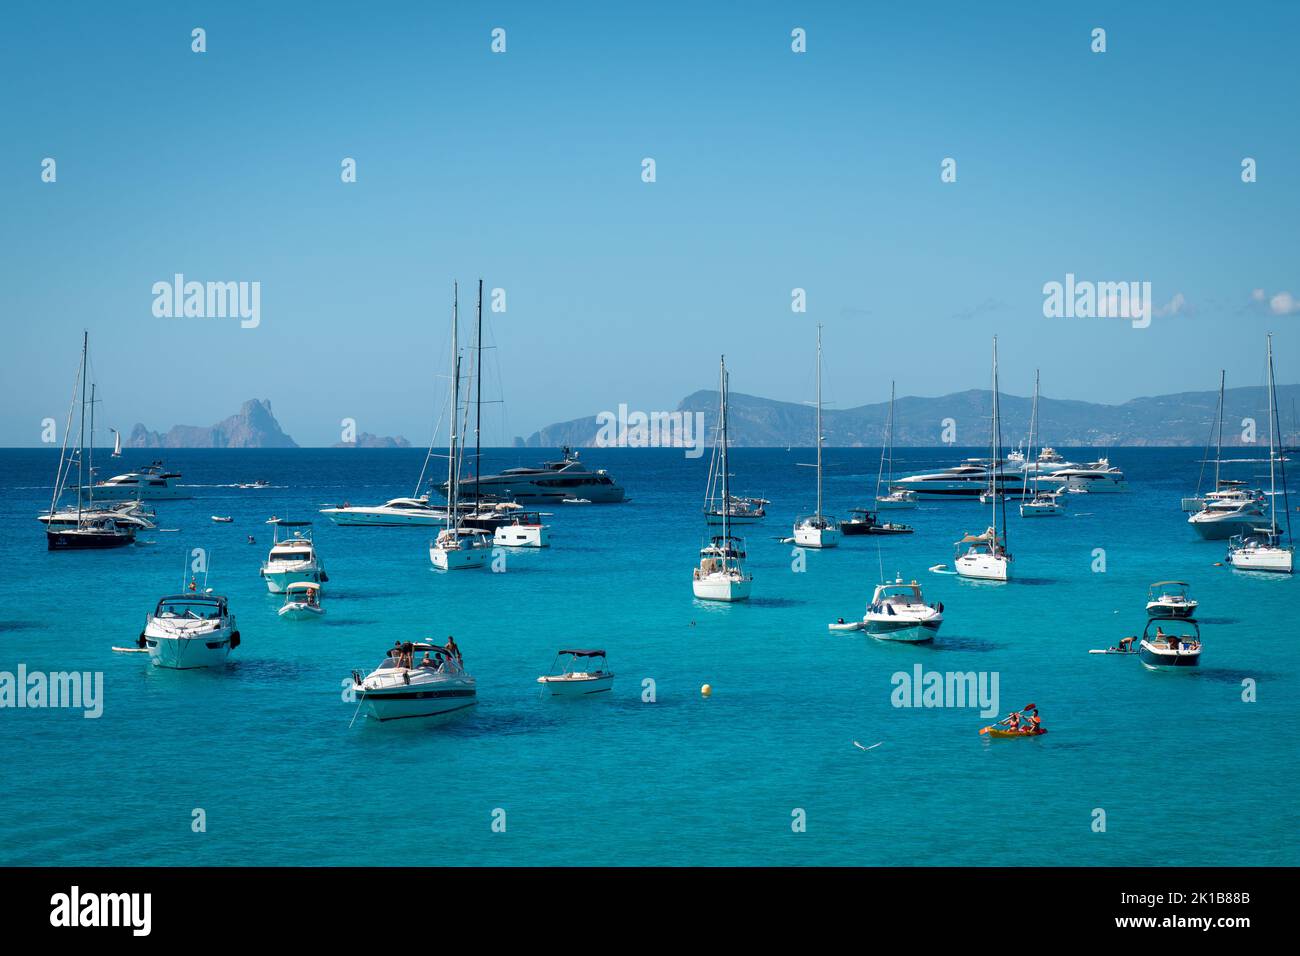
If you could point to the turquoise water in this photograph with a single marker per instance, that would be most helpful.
(1186, 772)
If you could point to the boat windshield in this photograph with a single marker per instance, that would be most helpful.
(193, 609)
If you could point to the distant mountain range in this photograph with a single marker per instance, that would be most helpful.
(253, 426)
(1181, 419)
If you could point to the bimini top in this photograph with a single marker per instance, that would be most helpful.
(1161, 584)
(195, 597)
(292, 524)
(302, 586)
(584, 653)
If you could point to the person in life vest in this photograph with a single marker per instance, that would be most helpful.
(194, 585)
(1033, 724)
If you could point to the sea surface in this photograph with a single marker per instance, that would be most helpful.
(765, 771)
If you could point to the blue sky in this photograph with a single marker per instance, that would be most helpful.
(774, 170)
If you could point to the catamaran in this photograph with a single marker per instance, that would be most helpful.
(457, 547)
(1263, 549)
(985, 555)
(1042, 503)
(817, 530)
(720, 575)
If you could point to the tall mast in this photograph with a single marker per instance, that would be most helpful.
(819, 421)
(1218, 448)
(478, 399)
(1272, 468)
(726, 467)
(452, 490)
(90, 462)
(1281, 457)
(81, 432)
(997, 448)
(1033, 422)
(888, 443)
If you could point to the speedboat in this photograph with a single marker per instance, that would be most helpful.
(292, 558)
(150, 483)
(868, 522)
(1169, 599)
(400, 687)
(1159, 651)
(983, 556)
(553, 482)
(223, 519)
(720, 575)
(592, 678)
(301, 601)
(898, 612)
(522, 529)
(190, 630)
(1228, 513)
(396, 512)
(459, 549)
(817, 530)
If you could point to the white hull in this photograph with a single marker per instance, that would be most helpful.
(1278, 560)
(186, 653)
(458, 559)
(278, 580)
(817, 537)
(722, 587)
(896, 504)
(985, 567)
(419, 701)
(576, 686)
(1219, 527)
(382, 518)
(1040, 511)
(300, 612)
(138, 492)
(911, 633)
(522, 536)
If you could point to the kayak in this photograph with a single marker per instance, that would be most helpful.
(993, 732)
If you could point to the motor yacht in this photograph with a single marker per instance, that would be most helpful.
(1170, 599)
(898, 612)
(1095, 477)
(968, 481)
(190, 630)
(402, 687)
(583, 674)
(1228, 514)
(394, 513)
(521, 529)
(150, 483)
(552, 483)
(292, 558)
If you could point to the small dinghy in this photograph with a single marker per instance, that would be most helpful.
(592, 678)
(846, 626)
(301, 601)
(223, 519)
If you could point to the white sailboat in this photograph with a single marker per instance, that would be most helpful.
(817, 530)
(457, 547)
(984, 555)
(117, 443)
(1041, 504)
(1263, 549)
(721, 575)
(1231, 509)
(900, 498)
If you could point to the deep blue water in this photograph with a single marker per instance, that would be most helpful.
(1186, 772)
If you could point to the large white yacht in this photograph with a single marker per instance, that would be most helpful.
(966, 481)
(566, 479)
(151, 483)
(396, 512)
(898, 612)
(1094, 477)
(190, 630)
(292, 558)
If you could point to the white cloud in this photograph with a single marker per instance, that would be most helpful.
(1174, 306)
(1283, 303)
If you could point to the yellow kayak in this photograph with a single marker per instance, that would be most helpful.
(993, 732)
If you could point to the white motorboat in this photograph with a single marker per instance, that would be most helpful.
(85, 527)
(1170, 599)
(985, 556)
(401, 687)
(1095, 477)
(523, 529)
(301, 601)
(190, 630)
(1228, 514)
(223, 519)
(1035, 503)
(721, 575)
(899, 498)
(457, 547)
(150, 483)
(1159, 651)
(817, 530)
(968, 481)
(394, 513)
(898, 612)
(585, 673)
(292, 558)
(1265, 549)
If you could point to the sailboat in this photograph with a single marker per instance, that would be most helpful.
(457, 547)
(985, 555)
(817, 530)
(892, 499)
(117, 443)
(1041, 504)
(93, 528)
(1262, 549)
(720, 575)
(1231, 508)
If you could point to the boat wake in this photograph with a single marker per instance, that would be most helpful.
(941, 569)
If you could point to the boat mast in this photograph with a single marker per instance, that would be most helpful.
(1272, 469)
(478, 399)
(819, 421)
(997, 449)
(1033, 421)
(90, 463)
(452, 477)
(81, 432)
(726, 467)
(1281, 457)
(1218, 448)
(888, 443)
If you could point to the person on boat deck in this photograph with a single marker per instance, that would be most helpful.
(454, 649)
(426, 660)
(194, 584)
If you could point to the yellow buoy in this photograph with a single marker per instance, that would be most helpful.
(706, 690)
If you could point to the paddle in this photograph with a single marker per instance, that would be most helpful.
(985, 730)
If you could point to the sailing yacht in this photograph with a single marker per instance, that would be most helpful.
(1230, 509)
(985, 555)
(1263, 549)
(817, 530)
(723, 507)
(721, 575)
(1042, 503)
(901, 497)
(92, 528)
(457, 547)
